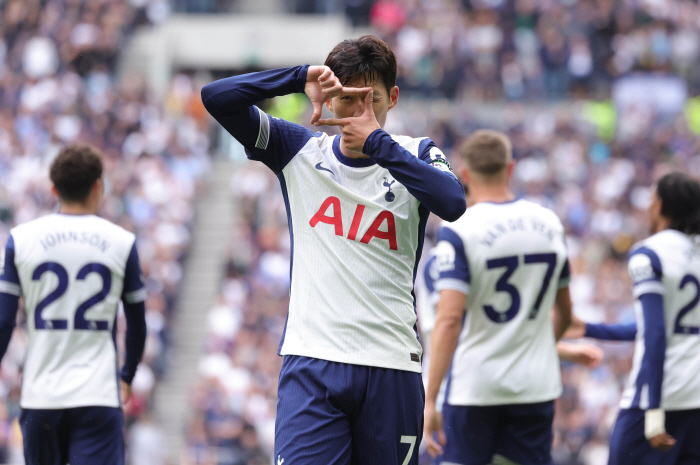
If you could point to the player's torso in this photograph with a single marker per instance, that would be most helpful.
(680, 262)
(356, 232)
(71, 271)
(506, 352)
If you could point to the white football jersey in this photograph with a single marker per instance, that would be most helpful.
(71, 271)
(668, 263)
(357, 235)
(510, 260)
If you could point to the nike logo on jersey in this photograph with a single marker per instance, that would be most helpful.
(321, 168)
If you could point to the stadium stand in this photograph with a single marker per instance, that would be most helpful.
(590, 158)
(582, 149)
(58, 84)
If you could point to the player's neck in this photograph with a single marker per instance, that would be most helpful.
(349, 153)
(491, 193)
(76, 209)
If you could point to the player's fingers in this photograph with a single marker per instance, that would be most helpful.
(317, 112)
(369, 99)
(332, 81)
(332, 89)
(325, 74)
(442, 437)
(332, 122)
(433, 447)
(667, 441)
(355, 90)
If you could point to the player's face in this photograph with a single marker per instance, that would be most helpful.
(346, 106)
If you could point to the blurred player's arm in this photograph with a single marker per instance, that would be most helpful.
(562, 315)
(644, 268)
(443, 343)
(584, 354)
(133, 297)
(428, 178)
(453, 284)
(603, 332)
(9, 295)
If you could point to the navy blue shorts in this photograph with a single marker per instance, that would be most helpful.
(331, 413)
(79, 436)
(629, 446)
(521, 433)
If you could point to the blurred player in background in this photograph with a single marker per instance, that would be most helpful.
(502, 266)
(350, 389)
(659, 418)
(71, 269)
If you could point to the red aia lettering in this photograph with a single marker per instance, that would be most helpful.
(374, 231)
(336, 219)
(356, 222)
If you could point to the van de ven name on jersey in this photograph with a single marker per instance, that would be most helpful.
(517, 224)
(63, 237)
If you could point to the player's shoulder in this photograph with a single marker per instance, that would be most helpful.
(57, 222)
(664, 244)
(415, 145)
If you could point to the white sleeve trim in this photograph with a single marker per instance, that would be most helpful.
(648, 287)
(453, 284)
(564, 282)
(136, 296)
(7, 287)
(264, 131)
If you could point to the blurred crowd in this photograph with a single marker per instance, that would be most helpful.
(58, 85)
(590, 157)
(518, 49)
(599, 187)
(591, 161)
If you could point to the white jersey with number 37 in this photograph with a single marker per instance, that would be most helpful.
(510, 260)
(71, 271)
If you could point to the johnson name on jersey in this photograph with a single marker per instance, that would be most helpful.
(667, 263)
(71, 271)
(510, 260)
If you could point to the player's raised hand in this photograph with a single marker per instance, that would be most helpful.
(355, 130)
(321, 85)
(433, 424)
(663, 441)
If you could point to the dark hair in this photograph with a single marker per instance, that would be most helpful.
(486, 152)
(680, 202)
(367, 57)
(75, 170)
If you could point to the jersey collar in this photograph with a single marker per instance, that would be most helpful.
(347, 161)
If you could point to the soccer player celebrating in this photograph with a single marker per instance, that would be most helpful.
(502, 266)
(71, 269)
(659, 416)
(350, 388)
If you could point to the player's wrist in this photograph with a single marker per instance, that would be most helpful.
(654, 422)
